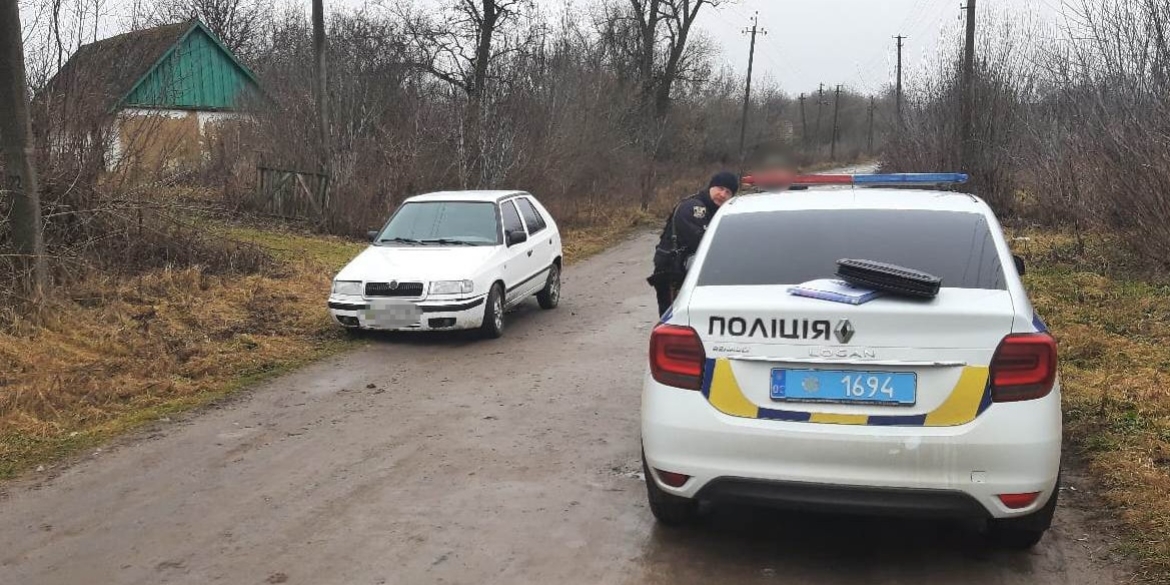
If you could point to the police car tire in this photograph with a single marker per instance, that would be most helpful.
(550, 296)
(493, 314)
(1026, 531)
(668, 509)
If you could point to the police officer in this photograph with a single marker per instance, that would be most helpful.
(682, 233)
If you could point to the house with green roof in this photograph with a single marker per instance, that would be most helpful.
(156, 97)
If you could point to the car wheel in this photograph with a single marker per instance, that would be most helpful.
(493, 314)
(668, 509)
(550, 295)
(1024, 532)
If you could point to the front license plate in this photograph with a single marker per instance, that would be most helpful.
(844, 386)
(391, 315)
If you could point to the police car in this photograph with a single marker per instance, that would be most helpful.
(947, 407)
(452, 260)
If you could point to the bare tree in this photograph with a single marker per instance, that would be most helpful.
(238, 23)
(460, 49)
(20, 173)
(679, 17)
(661, 31)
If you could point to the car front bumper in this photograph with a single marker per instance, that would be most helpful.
(432, 315)
(1011, 448)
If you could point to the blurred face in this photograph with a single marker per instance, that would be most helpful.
(720, 195)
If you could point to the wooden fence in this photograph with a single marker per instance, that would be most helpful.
(293, 194)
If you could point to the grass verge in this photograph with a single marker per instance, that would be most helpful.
(113, 353)
(1112, 321)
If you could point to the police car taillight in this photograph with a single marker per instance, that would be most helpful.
(1024, 367)
(677, 357)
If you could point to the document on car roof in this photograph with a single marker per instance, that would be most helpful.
(838, 291)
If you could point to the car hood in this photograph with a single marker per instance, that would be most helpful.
(383, 263)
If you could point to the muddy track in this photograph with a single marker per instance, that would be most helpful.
(442, 459)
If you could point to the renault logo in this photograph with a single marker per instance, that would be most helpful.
(844, 331)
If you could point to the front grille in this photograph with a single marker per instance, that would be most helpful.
(394, 289)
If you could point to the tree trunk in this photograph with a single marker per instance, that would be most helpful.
(16, 143)
(320, 87)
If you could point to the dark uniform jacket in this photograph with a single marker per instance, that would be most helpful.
(684, 229)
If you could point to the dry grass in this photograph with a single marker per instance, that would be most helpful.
(122, 350)
(119, 352)
(1114, 333)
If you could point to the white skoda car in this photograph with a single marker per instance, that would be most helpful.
(452, 260)
(946, 407)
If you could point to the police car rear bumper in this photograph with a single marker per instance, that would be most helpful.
(836, 499)
(1012, 448)
(437, 315)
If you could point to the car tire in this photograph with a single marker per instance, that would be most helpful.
(493, 314)
(668, 509)
(550, 296)
(1024, 532)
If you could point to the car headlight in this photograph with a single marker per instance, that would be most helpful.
(452, 287)
(347, 288)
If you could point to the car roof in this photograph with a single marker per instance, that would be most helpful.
(856, 198)
(486, 195)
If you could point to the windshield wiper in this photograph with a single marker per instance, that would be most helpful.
(448, 242)
(411, 241)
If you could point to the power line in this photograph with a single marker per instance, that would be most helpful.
(747, 94)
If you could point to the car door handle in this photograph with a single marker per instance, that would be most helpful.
(530, 253)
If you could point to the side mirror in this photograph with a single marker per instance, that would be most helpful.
(1019, 264)
(372, 235)
(516, 237)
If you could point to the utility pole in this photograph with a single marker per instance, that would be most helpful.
(320, 88)
(898, 92)
(968, 104)
(869, 140)
(820, 102)
(747, 94)
(803, 124)
(20, 174)
(836, 110)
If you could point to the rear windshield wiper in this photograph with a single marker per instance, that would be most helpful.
(410, 241)
(448, 242)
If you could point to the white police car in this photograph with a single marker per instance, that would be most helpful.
(452, 260)
(948, 407)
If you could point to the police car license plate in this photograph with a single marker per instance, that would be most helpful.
(898, 388)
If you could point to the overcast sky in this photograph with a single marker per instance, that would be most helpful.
(848, 42)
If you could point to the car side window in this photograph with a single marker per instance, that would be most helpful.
(511, 218)
(531, 215)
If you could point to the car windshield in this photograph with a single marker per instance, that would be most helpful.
(442, 223)
(791, 247)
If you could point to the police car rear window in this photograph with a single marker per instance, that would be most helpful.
(791, 247)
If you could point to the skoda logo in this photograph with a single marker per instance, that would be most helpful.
(393, 285)
(844, 331)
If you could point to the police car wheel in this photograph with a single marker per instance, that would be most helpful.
(668, 509)
(550, 296)
(493, 314)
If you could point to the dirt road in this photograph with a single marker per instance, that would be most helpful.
(450, 460)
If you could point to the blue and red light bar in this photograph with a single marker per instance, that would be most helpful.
(867, 180)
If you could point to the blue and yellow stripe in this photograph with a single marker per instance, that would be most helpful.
(969, 398)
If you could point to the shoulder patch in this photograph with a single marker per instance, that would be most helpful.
(700, 212)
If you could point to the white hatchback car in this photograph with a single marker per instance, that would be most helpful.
(452, 260)
(948, 407)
